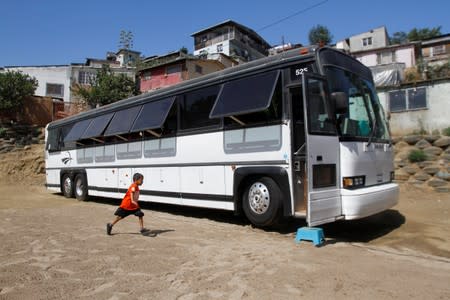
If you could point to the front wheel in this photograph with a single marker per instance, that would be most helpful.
(81, 189)
(262, 201)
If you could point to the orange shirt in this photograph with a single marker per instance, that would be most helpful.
(127, 204)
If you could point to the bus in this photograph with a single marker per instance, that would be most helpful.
(300, 134)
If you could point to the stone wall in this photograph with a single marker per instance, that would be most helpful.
(18, 136)
(434, 171)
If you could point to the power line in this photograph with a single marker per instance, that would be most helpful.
(293, 15)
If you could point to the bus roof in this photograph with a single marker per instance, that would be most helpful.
(264, 64)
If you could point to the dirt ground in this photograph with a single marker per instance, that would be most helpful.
(56, 248)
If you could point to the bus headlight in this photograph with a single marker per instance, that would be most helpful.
(353, 182)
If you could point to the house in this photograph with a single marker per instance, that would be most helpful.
(232, 39)
(172, 68)
(436, 50)
(372, 39)
(58, 81)
(388, 63)
(53, 80)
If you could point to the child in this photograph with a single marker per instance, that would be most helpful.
(129, 205)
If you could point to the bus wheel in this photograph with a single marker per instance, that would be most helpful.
(261, 201)
(67, 186)
(81, 189)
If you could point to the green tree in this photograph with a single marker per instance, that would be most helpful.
(14, 88)
(320, 34)
(418, 34)
(399, 37)
(106, 88)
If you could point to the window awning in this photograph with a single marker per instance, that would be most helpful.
(97, 126)
(122, 121)
(77, 130)
(153, 114)
(246, 95)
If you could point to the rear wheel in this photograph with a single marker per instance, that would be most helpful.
(262, 201)
(67, 186)
(81, 189)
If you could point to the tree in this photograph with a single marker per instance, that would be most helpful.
(106, 88)
(399, 37)
(418, 34)
(126, 40)
(14, 88)
(320, 34)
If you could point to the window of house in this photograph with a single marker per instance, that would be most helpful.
(417, 98)
(86, 77)
(198, 69)
(147, 75)
(438, 50)
(55, 90)
(397, 101)
(367, 41)
(173, 69)
(409, 99)
(196, 107)
(220, 48)
(386, 57)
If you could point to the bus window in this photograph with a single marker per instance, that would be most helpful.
(270, 115)
(196, 107)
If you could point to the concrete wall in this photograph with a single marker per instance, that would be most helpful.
(206, 65)
(379, 39)
(402, 55)
(369, 59)
(48, 74)
(435, 116)
(213, 48)
(160, 79)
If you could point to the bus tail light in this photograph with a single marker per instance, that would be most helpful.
(353, 182)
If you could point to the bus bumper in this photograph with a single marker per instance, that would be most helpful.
(364, 202)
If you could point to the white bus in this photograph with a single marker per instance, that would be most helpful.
(300, 134)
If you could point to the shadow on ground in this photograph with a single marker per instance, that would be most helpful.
(363, 230)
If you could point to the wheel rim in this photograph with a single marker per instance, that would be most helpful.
(68, 185)
(79, 187)
(259, 198)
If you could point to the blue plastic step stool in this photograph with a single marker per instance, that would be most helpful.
(313, 234)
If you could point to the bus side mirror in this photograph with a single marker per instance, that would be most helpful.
(340, 101)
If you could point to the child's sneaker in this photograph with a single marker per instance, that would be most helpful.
(145, 231)
(108, 228)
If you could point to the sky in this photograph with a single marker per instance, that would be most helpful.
(59, 32)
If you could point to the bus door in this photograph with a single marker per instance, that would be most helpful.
(321, 153)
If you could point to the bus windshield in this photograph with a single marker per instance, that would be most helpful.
(365, 116)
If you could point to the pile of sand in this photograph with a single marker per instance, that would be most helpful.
(26, 165)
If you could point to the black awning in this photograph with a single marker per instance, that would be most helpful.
(122, 121)
(97, 126)
(246, 95)
(77, 130)
(153, 114)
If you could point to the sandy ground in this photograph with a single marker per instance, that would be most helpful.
(56, 248)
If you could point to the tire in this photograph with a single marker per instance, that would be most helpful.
(261, 201)
(67, 186)
(81, 188)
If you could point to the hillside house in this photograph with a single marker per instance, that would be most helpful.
(232, 39)
(172, 68)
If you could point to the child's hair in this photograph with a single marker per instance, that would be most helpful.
(137, 176)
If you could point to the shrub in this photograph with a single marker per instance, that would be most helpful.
(2, 131)
(446, 131)
(417, 156)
